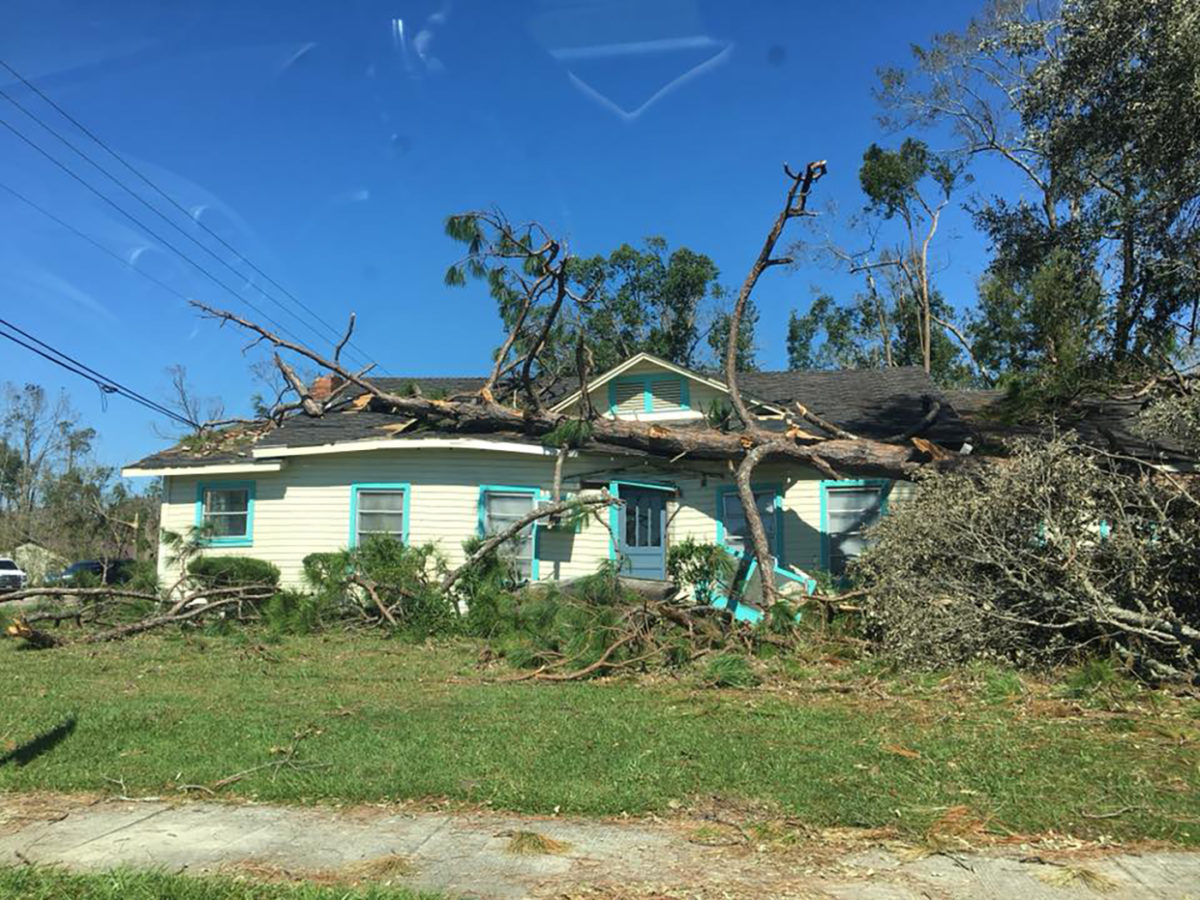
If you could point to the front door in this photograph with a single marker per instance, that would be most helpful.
(642, 533)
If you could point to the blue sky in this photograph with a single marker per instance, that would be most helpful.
(327, 141)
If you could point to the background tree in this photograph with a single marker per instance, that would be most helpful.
(53, 490)
(1093, 104)
(900, 319)
(635, 299)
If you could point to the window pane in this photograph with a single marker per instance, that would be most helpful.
(226, 511)
(501, 511)
(736, 529)
(227, 500)
(849, 511)
(376, 501)
(511, 506)
(380, 512)
(228, 524)
(381, 523)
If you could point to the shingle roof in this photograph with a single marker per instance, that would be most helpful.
(1106, 423)
(872, 403)
(432, 386)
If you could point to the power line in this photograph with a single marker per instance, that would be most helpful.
(104, 383)
(67, 169)
(132, 394)
(155, 187)
(95, 243)
(119, 183)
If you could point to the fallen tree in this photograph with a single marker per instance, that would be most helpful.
(537, 274)
(1061, 553)
(142, 611)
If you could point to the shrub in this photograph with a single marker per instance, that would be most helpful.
(1050, 556)
(297, 612)
(704, 566)
(233, 571)
(404, 578)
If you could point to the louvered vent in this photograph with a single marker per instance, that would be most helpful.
(630, 397)
(666, 394)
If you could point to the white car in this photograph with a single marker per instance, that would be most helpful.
(11, 576)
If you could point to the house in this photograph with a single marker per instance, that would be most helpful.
(325, 483)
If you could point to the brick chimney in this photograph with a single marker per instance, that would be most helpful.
(323, 386)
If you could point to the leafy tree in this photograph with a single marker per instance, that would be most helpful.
(1093, 104)
(53, 491)
(911, 185)
(635, 299)
(872, 332)
(718, 337)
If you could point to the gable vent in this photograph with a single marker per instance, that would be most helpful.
(629, 397)
(666, 394)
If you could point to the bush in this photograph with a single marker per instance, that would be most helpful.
(706, 567)
(1052, 555)
(233, 571)
(404, 578)
(297, 612)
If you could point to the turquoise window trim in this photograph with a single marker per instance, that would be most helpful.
(537, 494)
(614, 520)
(243, 540)
(357, 486)
(647, 382)
(725, 490)
(827, 483)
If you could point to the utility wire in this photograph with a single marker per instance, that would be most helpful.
(67, 169)
(364, 358)
(140, 199)
(129, 392)
(95, 243)
(106, 385)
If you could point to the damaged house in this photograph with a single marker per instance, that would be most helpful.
(322, 483)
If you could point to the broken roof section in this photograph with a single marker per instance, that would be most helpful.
(1110, 424)
(871, 403)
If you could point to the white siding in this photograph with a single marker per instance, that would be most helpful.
(305, 508)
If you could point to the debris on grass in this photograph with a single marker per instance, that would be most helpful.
(1067, 876)
(533, 843)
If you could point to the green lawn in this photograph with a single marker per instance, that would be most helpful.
(389, 721)
(126, 884)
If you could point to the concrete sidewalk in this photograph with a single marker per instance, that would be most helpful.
(466, 855)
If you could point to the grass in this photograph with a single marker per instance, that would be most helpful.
(42, 883)
(344, 719)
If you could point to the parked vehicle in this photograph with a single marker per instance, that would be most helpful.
(111, 571)
(11, 576)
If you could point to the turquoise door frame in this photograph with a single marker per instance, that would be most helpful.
(643, 559)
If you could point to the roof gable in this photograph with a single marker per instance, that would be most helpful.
(639, 363)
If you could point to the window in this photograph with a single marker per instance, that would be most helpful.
(849, 510)
(735, 532)
(226, 511)
(632, 394)
(499, 509)
(380, 510)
